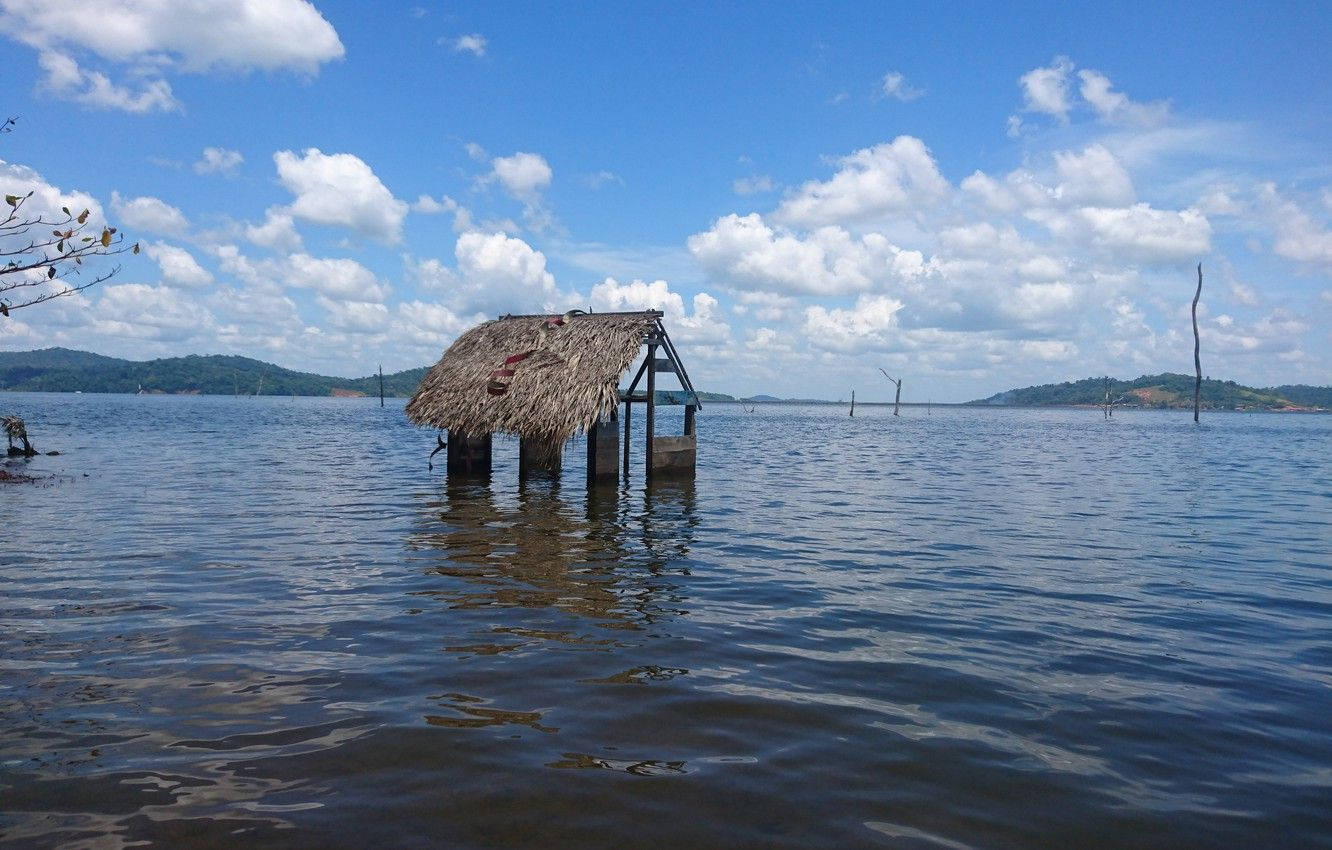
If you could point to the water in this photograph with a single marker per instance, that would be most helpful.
(264, 620)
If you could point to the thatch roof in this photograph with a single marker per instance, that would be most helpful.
(568, 379)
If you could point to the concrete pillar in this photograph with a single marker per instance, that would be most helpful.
(468, 456)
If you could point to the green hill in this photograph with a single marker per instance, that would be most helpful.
(64, 370)
(1167, 390)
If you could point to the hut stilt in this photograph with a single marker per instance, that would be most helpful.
(468, 456)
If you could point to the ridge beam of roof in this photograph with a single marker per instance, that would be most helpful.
(655, 313)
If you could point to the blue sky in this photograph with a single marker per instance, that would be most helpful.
(975, 196)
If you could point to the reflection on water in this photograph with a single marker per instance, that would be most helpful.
(980, 628)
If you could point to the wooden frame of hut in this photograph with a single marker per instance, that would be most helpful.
(546, 378)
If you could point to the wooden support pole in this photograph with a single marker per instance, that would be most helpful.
(689, 419)
(603, 452)
(381, 384)
(627, 410)
(468, 456)
(1197, 363)
(650, 421)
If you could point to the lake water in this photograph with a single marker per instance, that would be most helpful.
(265, 621)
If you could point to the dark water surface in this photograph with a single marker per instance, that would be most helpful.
(265, 622)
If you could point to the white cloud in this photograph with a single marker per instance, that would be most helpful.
(340, 190)
(66, 79)
(149, 38)
(140, 311)
(278, 232)
(218, 161)
(1139, 232)
(1114, 107)
(179, 268)
(495, 274)
(341, 279)
(1298, 236)
(1093, 177)
(895, 85)
(756, 185)
(462, 217)
(473, 43)
(46, 200)
(523, 175)
(869, 325)
(1046, 89)
(745, 252)
(197, 36)
(149, 214)
(897, 177)
(704, 326)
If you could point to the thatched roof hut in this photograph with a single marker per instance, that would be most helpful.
(541, 378)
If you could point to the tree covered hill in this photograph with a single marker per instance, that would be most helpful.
(1166, 390)
(65, 370)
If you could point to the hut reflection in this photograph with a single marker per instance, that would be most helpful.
(599, 557)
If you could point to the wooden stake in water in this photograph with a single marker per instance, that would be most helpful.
(1197, 363)
(853, 402)
(381, 384)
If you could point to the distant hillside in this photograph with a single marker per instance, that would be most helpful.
(64, 370)
(1166, 390)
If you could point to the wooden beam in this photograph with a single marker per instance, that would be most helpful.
(650, 421)
(626, 440)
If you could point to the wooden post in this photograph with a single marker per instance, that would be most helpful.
(689, 419)
(853, 403)
(603, 452)
(1197, 363)
(627, 410)
(468, 456)
(539, 458)
(381, 384)
(650, 421)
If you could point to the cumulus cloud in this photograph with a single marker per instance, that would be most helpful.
(1046, 89)
(218, 161)
(65, 78)
(703, 326)
(895, 85)
(473, 43)
(47, 200)
(523, 175)
(494, 273)
(1093, 176)
(278, 232)
(462, 217)
(140, 311)
(1114, 107)
(898, 177)
(1299, 236)
(340, 190)
(150, 37)
(337, 278)
(746, 253)
(868, 326)
(149, 214)
(179, 268)
(197, 36)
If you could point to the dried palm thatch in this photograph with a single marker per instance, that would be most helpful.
(568, 379)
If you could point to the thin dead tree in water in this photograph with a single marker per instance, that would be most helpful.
(853, 403)
(897, 400)
(1106, 406)
(1197, 363)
